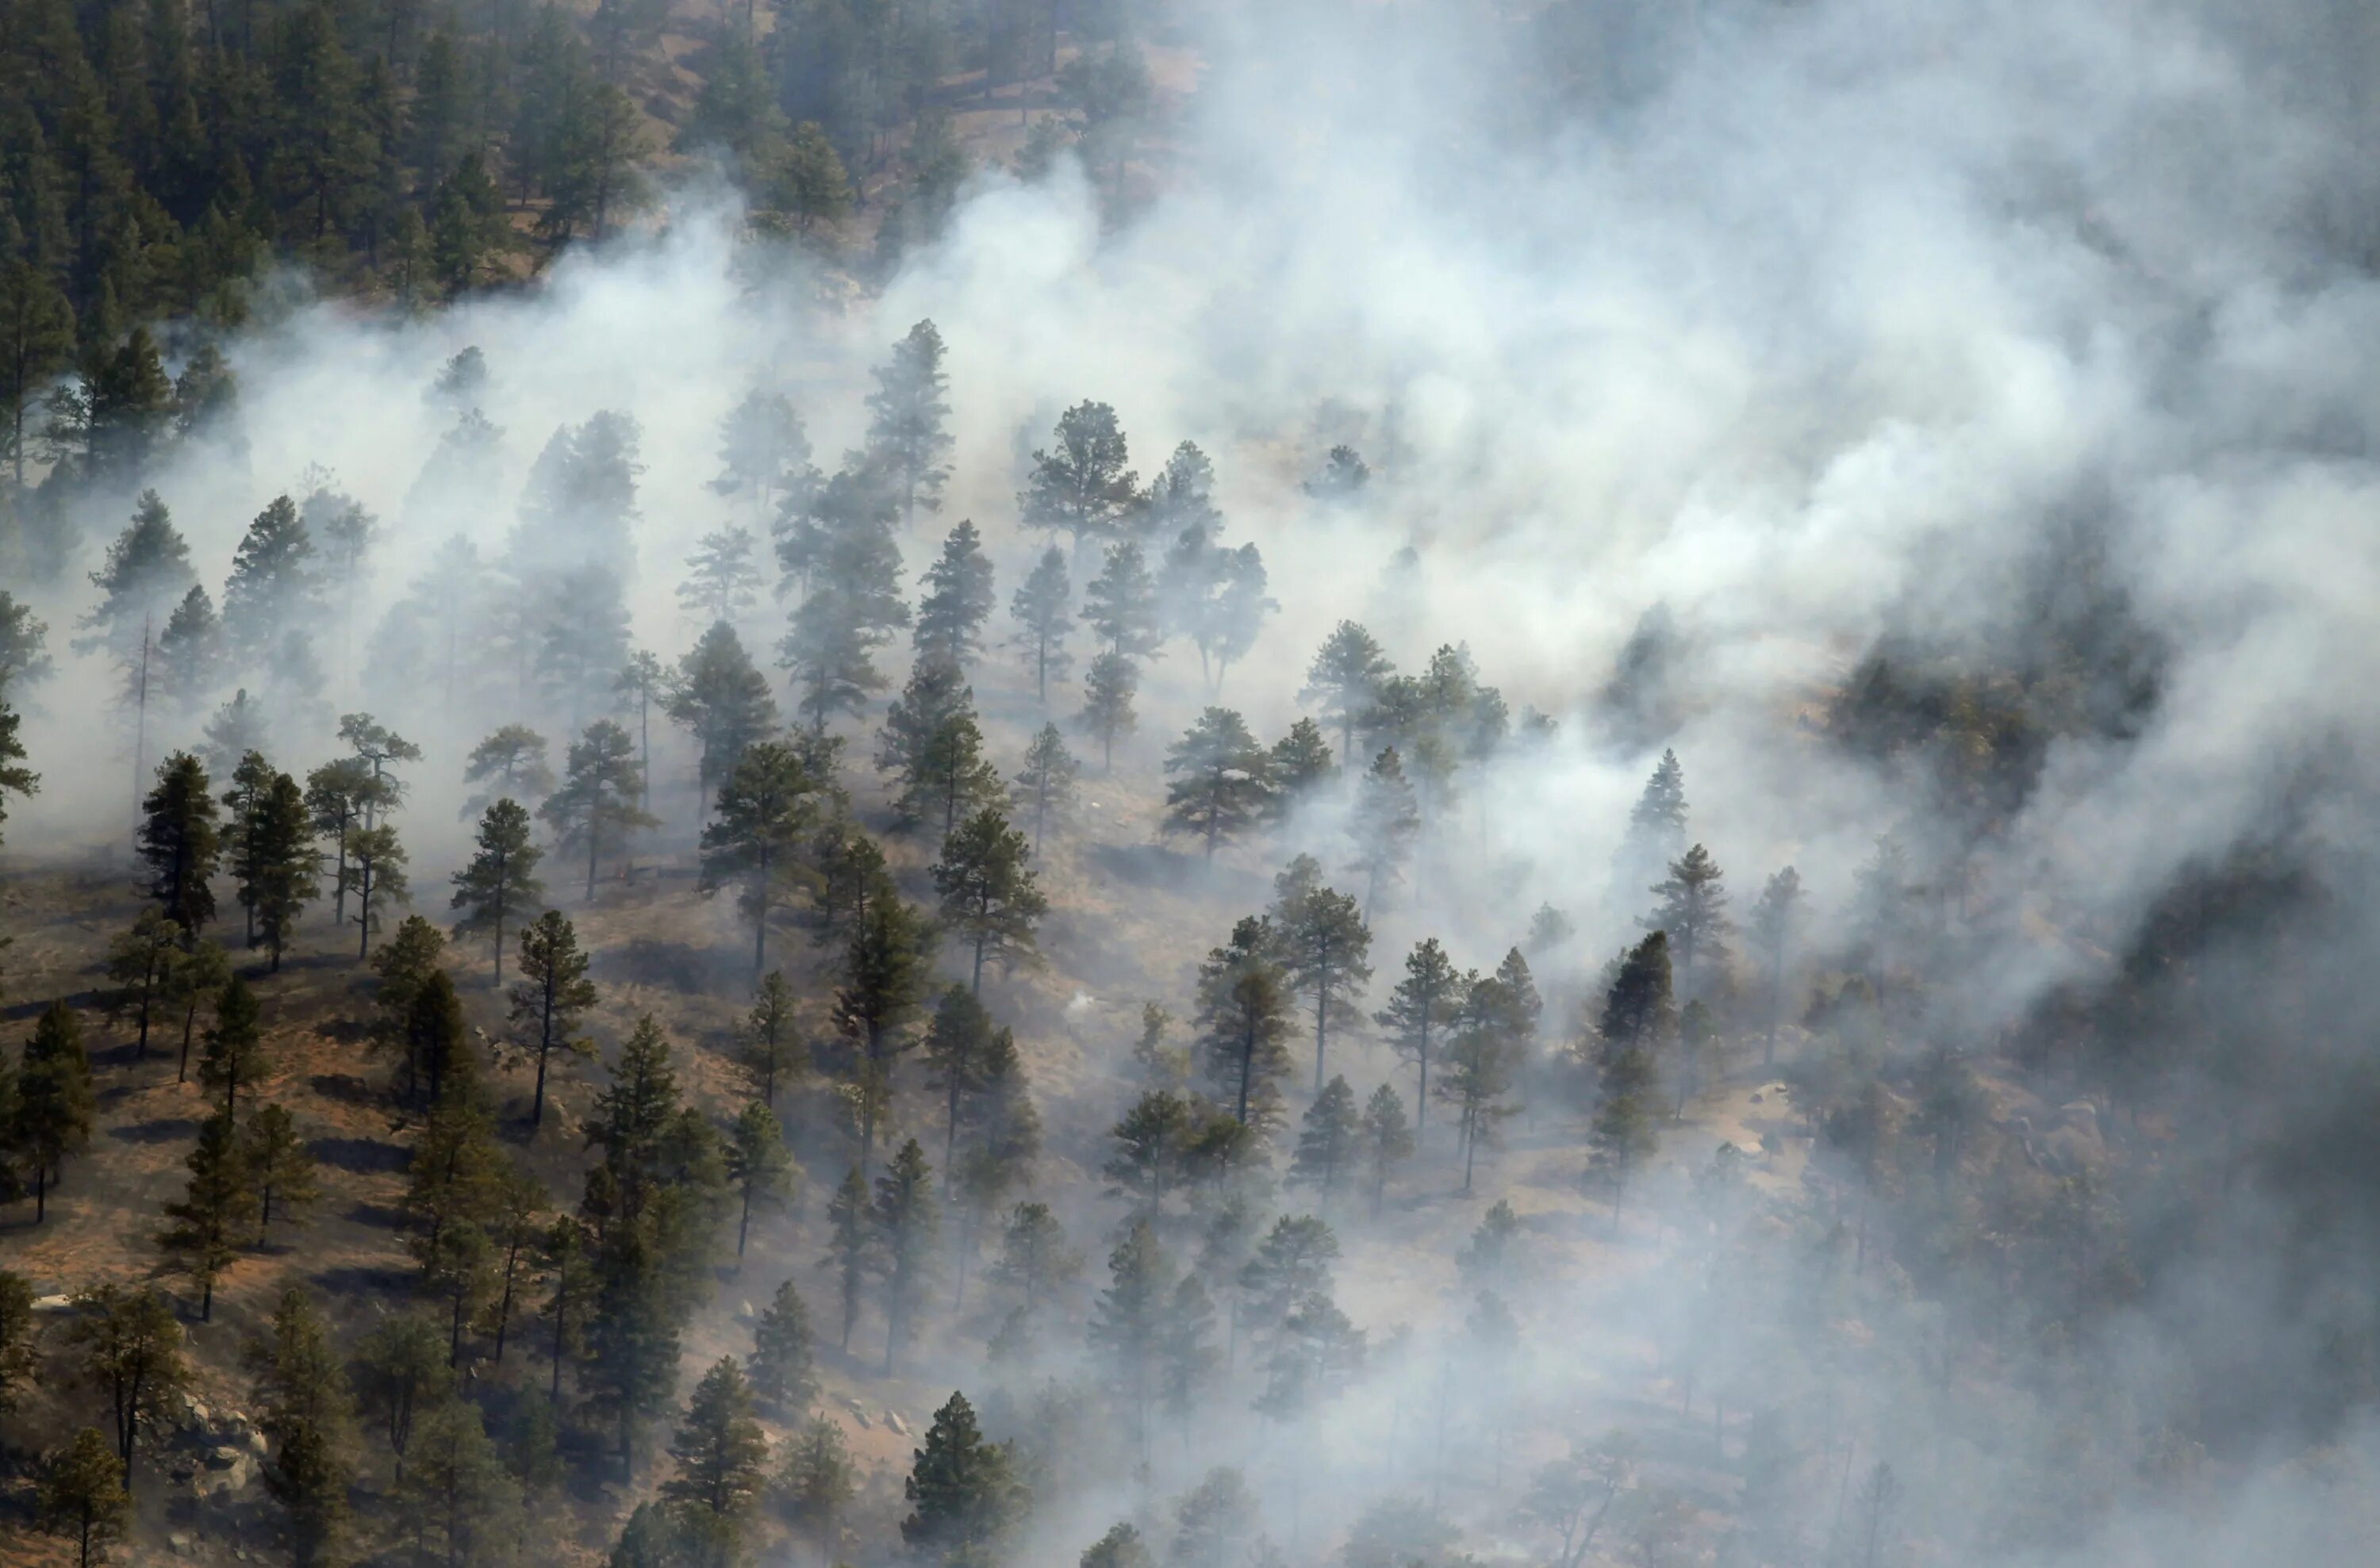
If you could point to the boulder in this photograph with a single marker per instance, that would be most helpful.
(893, 1419)
(52, 1303)
(179, 1543)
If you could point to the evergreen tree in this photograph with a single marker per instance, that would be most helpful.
(550, 997)
(903, 1221)
(81, 1495)
(24, 642)
(284, 868)
(633, 1336)
(1775, 920)
(37, 335)
(596, 809)
(511, 760)
(959, 599)
(1345, 678)
(1120, 1548)
(376, 747)
(1045, 786)
(1223, 782)
(568, 1306)
(190, 651)
(1635, 1020)
(1324, 945)
(722, 1459)
(1128, 1322)
(195, 981)
(1243, 1018)
(1302, 766)
(1387, 1138)
(1656, 824)
(1035, 1261)
(816, 1480)
(458, 1486)
(885, 977)
(179, 843)
(1482, 1056)
(1332, 1135)
(1081, 487)
(15, 779)
(811, 180)
(140, 962)
(767, 806)
(962, 1489)
(1291, 1265)
(145, 574)
(1043, 612)
(1151, 1145)
(273, 586)
(55, 1106)
(236, 731)
(305, 1413)
(131, 1345)
(1109, 688)
(721, 584)
(499, 883)
(848, 1249)
(213, 1213)
(250, 774)
(763, 454)
(401, 1370)
(1120, 606)
(1233, 617)
(376, 878)
(771, 1046)
(1694, 912)
(1216, 1525)
(839, 546)
(279, 1166)
(336, 795)
(782, 1371)
(908, 424)
(580, 644)
(990, 899)
(957, 1050)
(1382, 826)
(758, 1165)
(722, 697)
(932, 745)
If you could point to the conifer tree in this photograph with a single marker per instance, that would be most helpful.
(1387, 1138)
(1694, 912)
(758, 1165)
(1080, 486)
(1046, 786)
(1635, 1020)
(1290, 1265)
(1345, 678)
(849, 1247)
(840, 547)
(1324, 945)
(81, 1495)
(195, 981)
(458, 1486)
(767, 806)
(140, 961)
(1215, 1523)
(249, 779)
(15, 779)
(336, 794)
(1775, 920)
(721, 583)
(904, 1224)
(959, 599)
(237, 730)
(1222, 779)
(722, 697)
(564, 1254)
(721, 1462)
(1109, 688)
(763, 452)
(279, 1166)
(1327, 1146)
(1151, 1145)
(37, 337)
(908, 433)
(816, 1480)
(190, 651)
(1243, 1018)
(375, 878)
(1482, 1054)
(550, 997)
(401, 1371)
(782, 1371)
(179, 843)
(131, 1345)
(305, 1413)
(24, 639)
(1656, 824)
(885, 977)
(55, 1106)
(990, 899)
(633, 1335)
(958, 1053)
(284, 868)
(596, 807)
(512, 762)
(1128, 1322)
(499, 883)
(272, 585)
(145, 574)
(1302, 766)
(1042, 610)
(1120, 606)
(1120, 1548)
(377, 747)
(1383, 825)
(213, 1213)
(963, 1490)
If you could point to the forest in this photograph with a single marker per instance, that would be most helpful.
(1163, 784)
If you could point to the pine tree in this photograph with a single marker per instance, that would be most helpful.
(596, 809)
(839, 547)
(1233, 617)
(140, 962)
(279, 1166)
(990, 899)
(723, 699)
(1120, 1548)
(1302, 766)
(931, 744)
(550, 997)
(782, 1371)
(1128, 1322)
(1216, 1525)
(721, 584)
(336, 795)
(1481, 1059)
(501, 883)
(763, 453)
(959, 599)
(24, 646)
(305, 1413)
(903, 1221)
(1328, 1145)
(963, 1490)
(401, 1370)
(190, 651)
(348, 531)
(885, 977)
(131, 1343)
(146, 573)
(376, 879)
(758, 1165)
(1635, 1021)
(721, 1458)
(1656, 824)
(212, 1215)
(816, 1480)
(1383, 825)
(1108, 690)
(1292, 1264)
(1151, 1145)
(1120, 606)
(272, 585)
(848, 1250)
(458, 1486)
(1694, 912)
(512, 759)
(1324, 945)
(811, 180)
(1774, 923)
(1345, 678)
(1081, 487)
(82, 1494)
(767, 806)
(957, 1054)
(37, 335)
(1243, 1018)
(1042, 610)
(1387, 1138)
(633, 1336)
(179, 844)
(562, 1253)
(195, 981)
(14, 779)
(909, 434)
(770, 1043)
(1046, 786)
(55, 1106)
(1222, 779)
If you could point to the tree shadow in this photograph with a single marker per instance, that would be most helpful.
(364, 1279)
(164, 1129)
(682, 967)
(365, 1156)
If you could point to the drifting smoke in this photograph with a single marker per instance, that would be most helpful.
(1765, 336)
